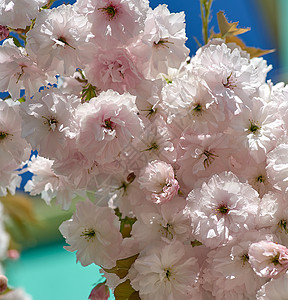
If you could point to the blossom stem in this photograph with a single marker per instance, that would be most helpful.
(49, 4)
(205, 6)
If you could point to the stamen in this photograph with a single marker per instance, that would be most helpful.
(254, 127)
(110, 11)
(275, 260)
(3, 135)
(230, 84)
(63, 40)
(153, 146)
(162, 43)
(88, 234)
(51, 122)
(223, 209)
(168, 273)
(209, 158)
(283, 225)
(108, 124)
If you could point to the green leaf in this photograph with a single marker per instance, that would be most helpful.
(22, 99)
(122, 266)
(124, 291)
(89, 91)
(196, 243)
(125, 223)
(16, 41)
(228, 29)
(135, 296)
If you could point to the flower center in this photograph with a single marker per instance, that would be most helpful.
(51, 122)
(209, 158)
(88, 234)
(223, 209)
(245, 258)
(230, 82)
(197, 108)
(150, 111)
(275, 260)
(162, 43)
(283, 225)
(108, 124)
(153, 146)
(168, 273)
(64, 41)
(110, 11)
(261, 178)
(3, 135)
(254, 127)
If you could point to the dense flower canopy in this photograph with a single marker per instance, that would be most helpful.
(177, 164)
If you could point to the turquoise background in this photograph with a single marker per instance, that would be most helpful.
(51, 273)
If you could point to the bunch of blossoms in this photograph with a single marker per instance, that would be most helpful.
(178, 164)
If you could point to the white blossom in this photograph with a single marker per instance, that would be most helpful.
(92, 232)
(18, 13)
(165, 271)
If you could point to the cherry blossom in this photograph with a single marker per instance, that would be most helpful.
(222, 209)
(158, 182)
(18, 71)
(268, 259)
(173, 274)
(57, 39)
(108, 124)
(91, 232)
(18, 13)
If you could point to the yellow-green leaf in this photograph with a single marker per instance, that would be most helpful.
(122, 266)
(124, 291)
(135, 296)
(228, 29)
(19, 208)
(256, 52)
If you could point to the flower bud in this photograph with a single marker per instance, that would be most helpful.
(4, 32)
(3, 283)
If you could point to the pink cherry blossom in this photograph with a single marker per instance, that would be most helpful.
(116, 21)
(222, 209)
(113, 69)
(268, 259)
(18, 13)
(19, 71)
(48, 121)
(158, 182)
(4, 32)
(91, 232)
(57, 39)
(108, 124)
(99, 292)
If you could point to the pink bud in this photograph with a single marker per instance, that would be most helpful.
(4, 32)
(13, 254)
(100, 292)
(3, 283)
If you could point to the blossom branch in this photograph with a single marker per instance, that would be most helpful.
(205, 6)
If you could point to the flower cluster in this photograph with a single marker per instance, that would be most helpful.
(178, 163)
